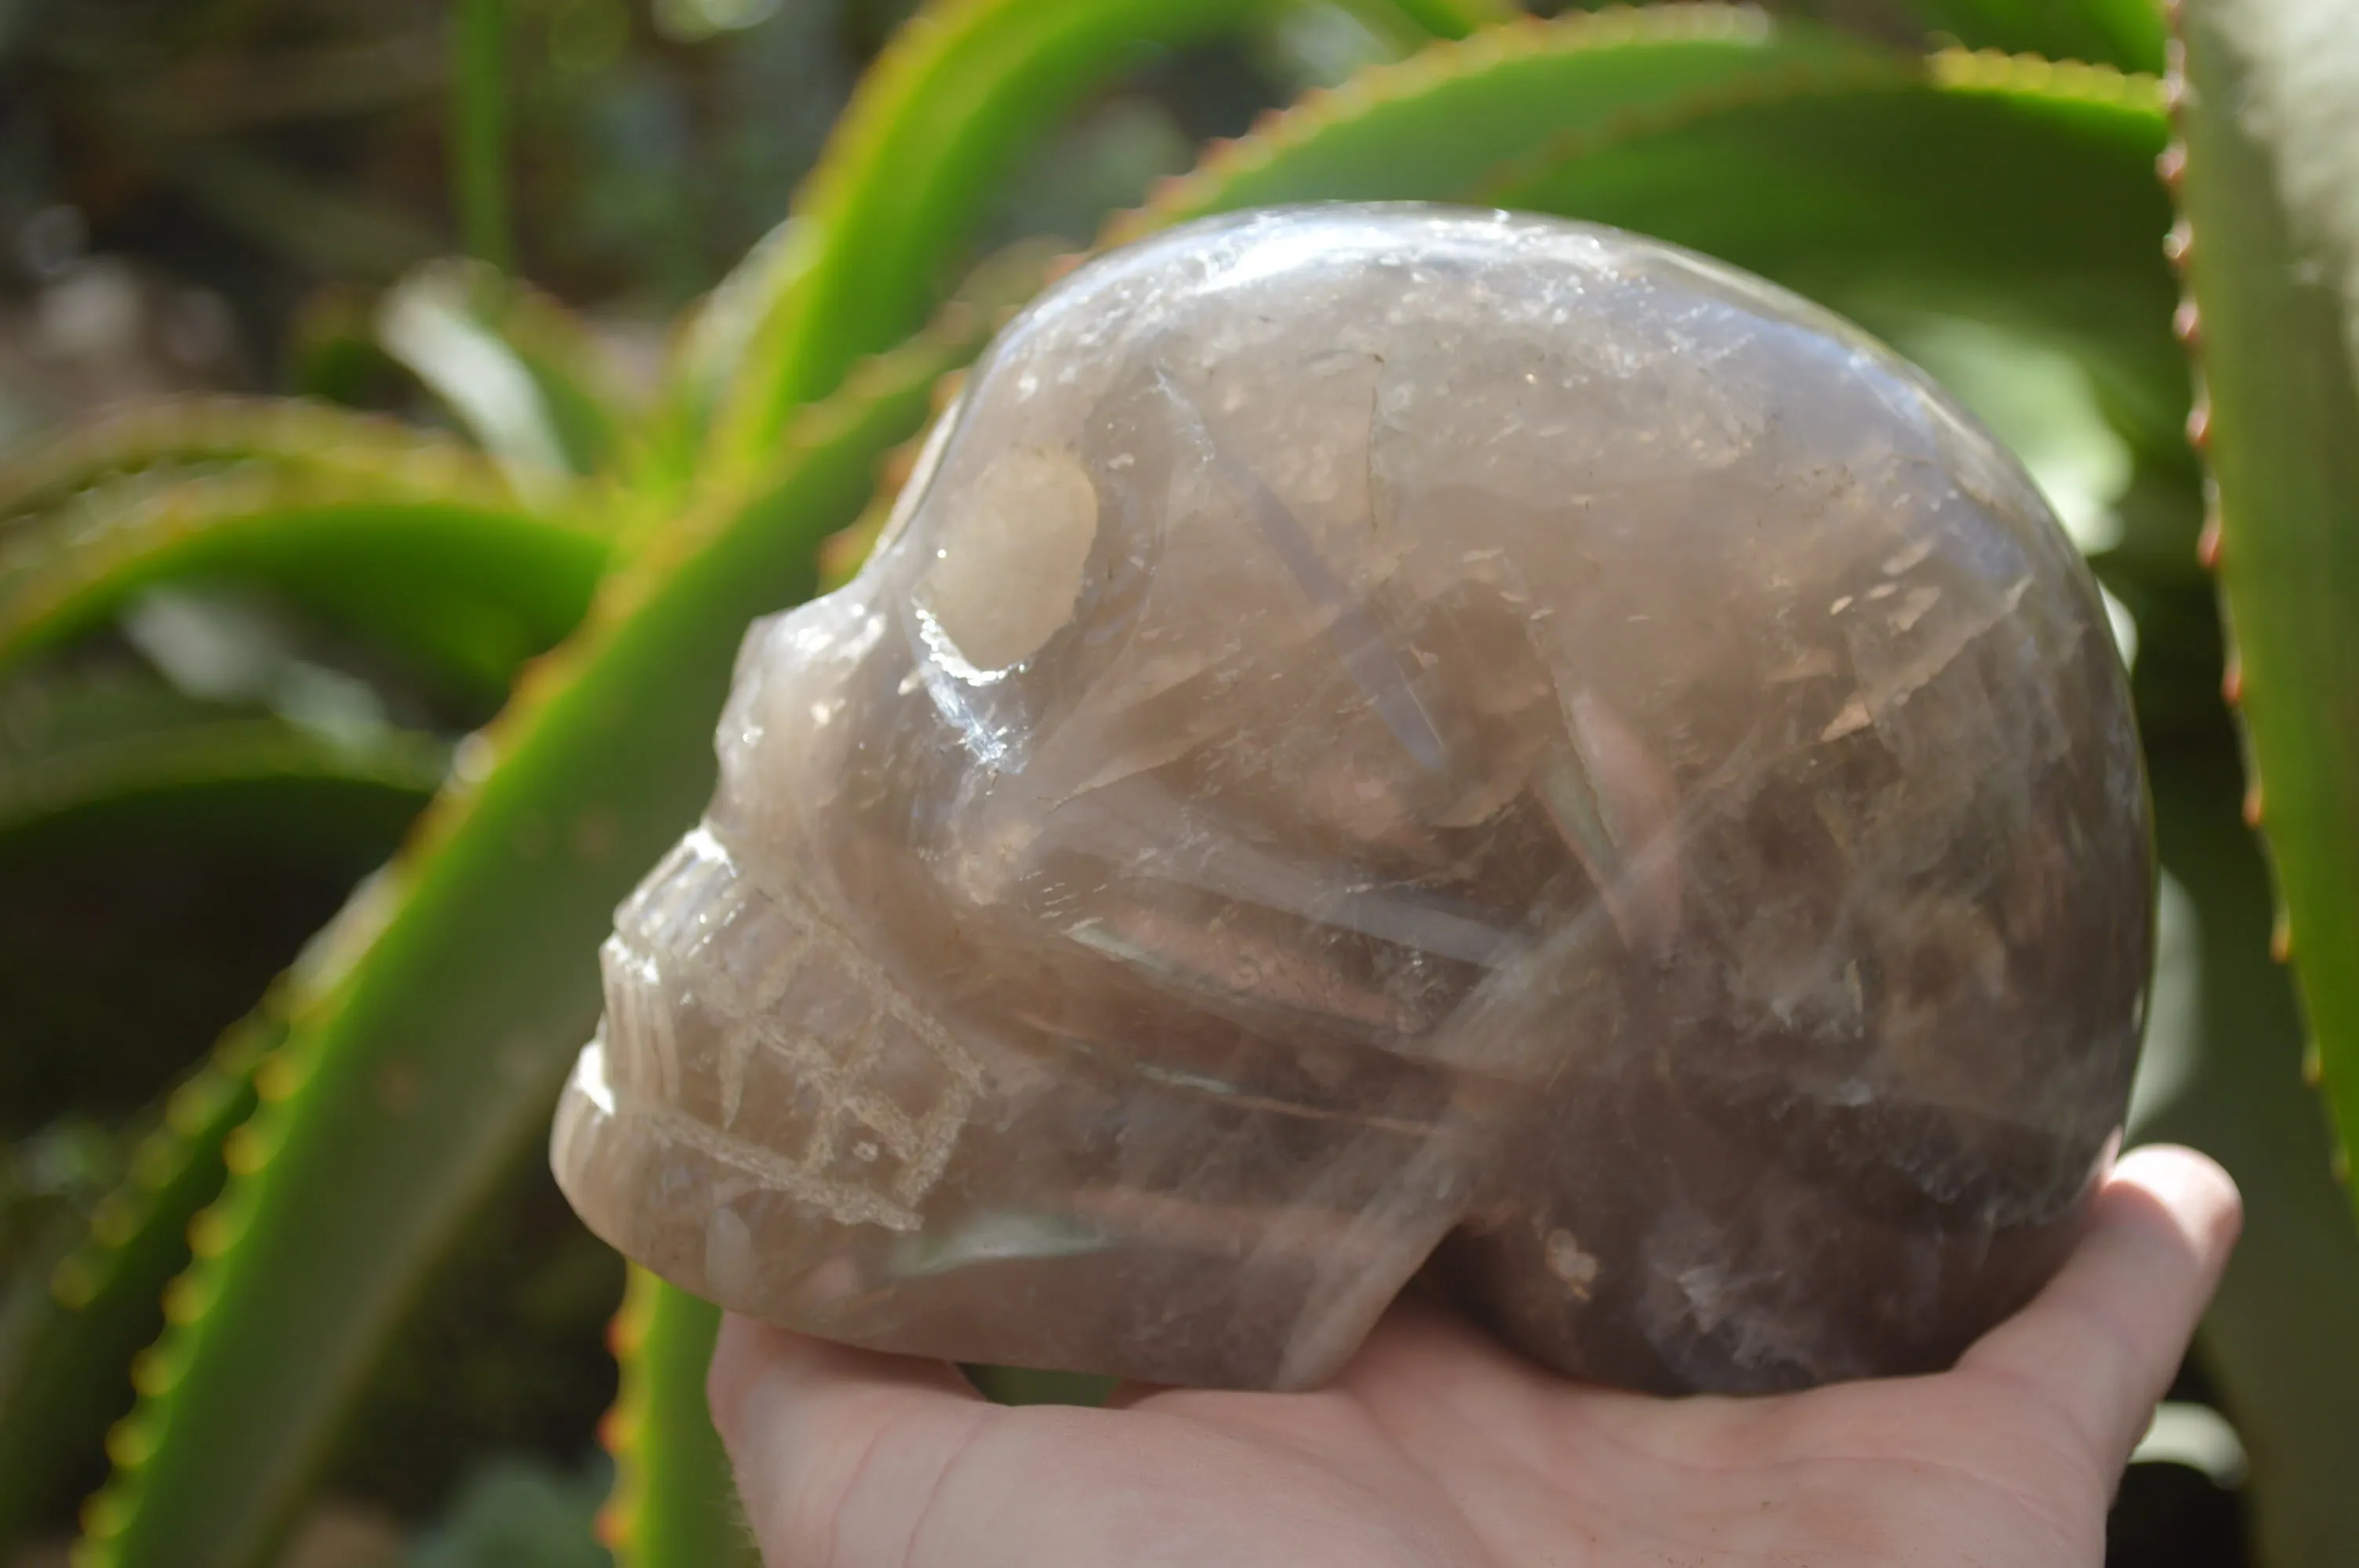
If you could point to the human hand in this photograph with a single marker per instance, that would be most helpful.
(1439, 1449)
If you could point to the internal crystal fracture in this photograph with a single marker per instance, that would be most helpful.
(1393, 738)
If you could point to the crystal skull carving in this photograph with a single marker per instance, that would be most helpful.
(1387, 742)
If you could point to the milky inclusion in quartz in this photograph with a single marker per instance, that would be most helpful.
(1393, 738)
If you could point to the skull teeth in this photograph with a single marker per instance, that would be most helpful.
(760, 1033)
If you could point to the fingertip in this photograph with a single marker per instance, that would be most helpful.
(758, 1369)
(2190, 1188)
(741, 1353)
(2102, 1340)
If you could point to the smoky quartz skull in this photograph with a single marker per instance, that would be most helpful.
(1389, 741)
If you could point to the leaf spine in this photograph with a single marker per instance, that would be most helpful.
(2187, 323)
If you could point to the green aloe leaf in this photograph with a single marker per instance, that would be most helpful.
(74, 1334)
(708, 350)
(2126, 33)
(674, 1503)
(944, 111)
(1443, 18)
(2270, 190)
(429, 1028)
(875, 231)
(2276, 1340)
(415, 545)
(1966, 186)
(185, 435)
(525, 377)
(2010, 192)
(78, 765)
(82, 764)
(1448, 122)
(949, 105)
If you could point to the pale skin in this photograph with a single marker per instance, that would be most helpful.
(1438, 1449)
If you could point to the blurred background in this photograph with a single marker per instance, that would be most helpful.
(215, 195)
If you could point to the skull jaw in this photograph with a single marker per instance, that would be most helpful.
(1168, 1286)
(772, 1118)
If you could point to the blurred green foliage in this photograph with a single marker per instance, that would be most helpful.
(498, 557)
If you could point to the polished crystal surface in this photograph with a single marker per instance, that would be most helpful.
(1387, 739)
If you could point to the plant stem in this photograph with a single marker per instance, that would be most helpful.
(479, 126)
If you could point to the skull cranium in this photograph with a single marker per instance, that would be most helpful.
(1390, 738)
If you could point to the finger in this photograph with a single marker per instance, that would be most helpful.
(756, 1365)
(1421, 1340)
(2103, 1341)
(1413, 1332)
(829, 1443)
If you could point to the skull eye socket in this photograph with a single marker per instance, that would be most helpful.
(1010, 551)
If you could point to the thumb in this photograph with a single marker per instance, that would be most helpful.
(2103, 1341)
